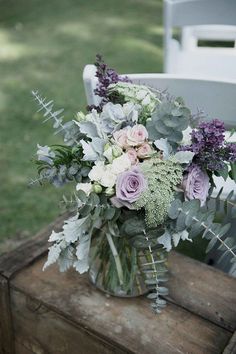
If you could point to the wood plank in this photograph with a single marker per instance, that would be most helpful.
(38, 329)
(31, 250)
(195, 286)
(6, 330)
(122, 322)
(231, 347)
(21, 349)
(203, 290)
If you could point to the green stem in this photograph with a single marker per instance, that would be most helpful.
(116, 258)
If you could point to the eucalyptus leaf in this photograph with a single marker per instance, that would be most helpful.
(174, 209)
(184, 156)
(165, 240)
(163, 145)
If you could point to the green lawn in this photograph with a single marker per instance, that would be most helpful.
(45, 45)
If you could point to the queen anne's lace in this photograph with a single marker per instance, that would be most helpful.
(163, 177)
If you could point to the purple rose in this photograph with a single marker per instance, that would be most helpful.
(129, 186)
(196, 184)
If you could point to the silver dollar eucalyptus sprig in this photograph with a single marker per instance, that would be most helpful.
(151, 258)
(69, 129)
(189, 217)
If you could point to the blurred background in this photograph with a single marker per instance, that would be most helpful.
(45, 45)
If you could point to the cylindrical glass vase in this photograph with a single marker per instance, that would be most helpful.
(123, 270)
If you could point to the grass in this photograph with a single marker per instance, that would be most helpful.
(45, 45)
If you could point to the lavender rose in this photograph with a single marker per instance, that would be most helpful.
(196, 184)
(129, 186)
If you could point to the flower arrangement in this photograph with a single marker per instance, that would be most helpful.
(142, 168)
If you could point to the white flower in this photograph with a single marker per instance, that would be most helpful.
(85, 187)
(121, 164)
(108, 178)
(103, 174)
(97, 171)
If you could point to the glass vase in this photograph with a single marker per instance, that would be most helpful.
(128, 271)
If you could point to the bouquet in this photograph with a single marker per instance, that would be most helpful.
(142, 169)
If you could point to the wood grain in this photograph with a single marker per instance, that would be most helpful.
(199, 319)
(6, 333)
(21, 349)
(123, 323)
(203, 290)
(39, 329)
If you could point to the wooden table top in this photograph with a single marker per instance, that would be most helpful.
(53, 312)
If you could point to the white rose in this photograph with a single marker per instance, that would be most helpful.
(121, 164)
(85, 187)
(97, 171)
(108, 179)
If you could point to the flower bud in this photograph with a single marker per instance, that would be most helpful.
(97, 188)
(116, 151)
(108, 153)
(109, 191)
(107, 146)
(80, 116)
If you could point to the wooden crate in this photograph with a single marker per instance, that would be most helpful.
(52, 312)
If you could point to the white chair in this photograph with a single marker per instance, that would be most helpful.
(216, 98)
(213, 20)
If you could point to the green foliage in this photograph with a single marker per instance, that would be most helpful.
(163, 176)
(169, 119)
(189, 216)
(223, 208)
(131, 93)
(151, 258)
(71, 246)
(65, 164)
(153, 265)
(232, 172)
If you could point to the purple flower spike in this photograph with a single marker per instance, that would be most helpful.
(209, 145)
(106, 76)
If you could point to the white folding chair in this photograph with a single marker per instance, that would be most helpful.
(215, 97)
(212, 20)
